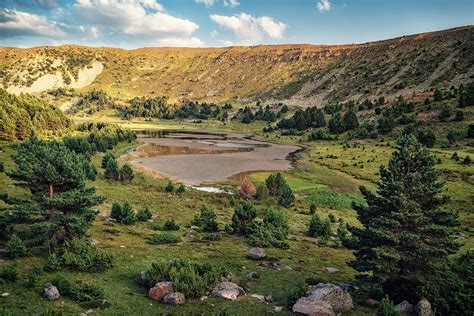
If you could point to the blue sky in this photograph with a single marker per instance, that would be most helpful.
(138, 23)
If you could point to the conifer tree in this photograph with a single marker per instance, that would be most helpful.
(126, 173)
(60, 206)
(407, 235)
(112, 170)
(350, 119)
(243, 216)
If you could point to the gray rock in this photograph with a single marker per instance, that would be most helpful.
(305, 306)
(339, 299)
(278, 309)
(189, 235)
(371, 302)
(228, 290)
(50, 292)
(423, 308)
(259, 297)
(142, 278)
(332, 270)
(253, 276)
(404, 307)
(176, 298)
(5, 294)
(256, 253)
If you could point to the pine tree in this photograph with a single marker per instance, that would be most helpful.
(60, 205)
(112, 169)
(206, 220)
(287, 197)
(336, 124)
(126, 173)
(406, 236)
(350, 119)
(108, 156)
(243, 216)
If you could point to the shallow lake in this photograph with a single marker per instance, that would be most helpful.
(196, 157)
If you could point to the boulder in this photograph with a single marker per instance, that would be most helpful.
(228, 290)
(278, 309)
(423, 308)
(371, 302)
(256, 253)
(332, 270)
(5, 294)
(189, 235)
(404, 307)
(175, 298)
(253, 276)
(339, 299)
(50, 292)
(306, 306)
(142, 278)
(160, 290)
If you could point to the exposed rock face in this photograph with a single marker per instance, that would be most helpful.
(339, 299)
(404, 307)
(423, 308)
(50, 292)
(306, 306)
(256, 253)
(228, 290)
(160, 290)
(176, 298)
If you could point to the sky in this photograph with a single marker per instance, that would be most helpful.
(132, 24)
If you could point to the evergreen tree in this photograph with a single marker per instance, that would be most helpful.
(287, 197)
(60, 205)
(108, 156)
(406, 236)
(126, 173)
(275, 183)
(350, 119)
(206, 220)
(144, 214)
(128, 215)
(112, 170)
(336, 124)
(243, 216)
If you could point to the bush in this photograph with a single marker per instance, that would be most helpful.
(170, 187)
(10, 273)
(319, 228)
(312, 208)
(206, 220)
(262, 191)
(112, 170)
(247, 188)
(386, 308)
(467, 160)
(193, 279)
(126, 173)
(275, 183)
(144, 214)
(123, 214)
(287, 197)
(33, 275)
(164, 238)
(79, 293)
(332, 218)
(170, 224)
(272, 232)
(107, 157)
(2, 166)
(243, 216)
(79, 255)
(181, 189)
(16, 247)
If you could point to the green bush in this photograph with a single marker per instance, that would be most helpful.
(2, 166)
(164, 238)
(181, 189)
(287, 197)
(170, 224)
(9, 273)
(262, 191)
(193, 279)
(272, 232)
(5, 312)
(16, 247)
(386, 308)
(123, 214)
(169, 187)
(33, 275)
(126, 173)
(144, 214)
(79, 255)
(206, 220)
(312, 208)
(318, 227)
(332, 218)
(243, 216)
(81, 292)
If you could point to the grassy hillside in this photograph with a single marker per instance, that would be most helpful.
(302, 74)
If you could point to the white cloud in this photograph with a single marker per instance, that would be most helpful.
(250, 30)
(231, 3)
(213, 33)
(207, 3)
(323, 5)
(178, 42)
(17, 23)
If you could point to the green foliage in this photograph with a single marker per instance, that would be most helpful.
(170, 224)
(332, 218)
(336, 124)
(10, 273)
(262, 191)
(312, 208)
(467, 160)
(206, 220)
(406, 235)
(181, 189)
(287, 197)
(123, 214)
(386, 307)
(193, 279)
(321, 134)
(466, 96)
(164, 238)
(33, 275)
(79, 255)
(144, 214)
(106, 158)
(82, 292)
(112, 169)
(126, 173)
(2, 166)
(454, 135)
(169, 187)
(275, 183)
(16, 247)
(104, 136)
(244, 214)
(350, 119)
(272, 232)
(318, 227)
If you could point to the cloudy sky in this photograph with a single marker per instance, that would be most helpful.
(139, 23)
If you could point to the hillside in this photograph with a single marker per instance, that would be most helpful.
(300, 75)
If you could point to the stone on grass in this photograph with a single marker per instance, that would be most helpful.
(253, 276)
(371, 302)
(160, 290)
(228, 290)
(332, 270)
(143, 277)
(339, 299)
(306, 306)
(50, 292)
(423, 308)
(278, 309)
(175, 298)
(256, 253)
(5, 294)
(404, 307)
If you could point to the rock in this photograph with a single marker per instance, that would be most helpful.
(195, 227)
(423, 308)
(256, 253)
(278, 309)
(95, 242)
(259, 297)
(305, 306)
(176, 298)
(5, 294)
(404, 307)
(189, 235)
(203, 298)
(253, 276)
(160, 290)
(110, 220)
(143, 277)
(339, 299)
(269, 299)
(332, 270)
(228, 290)
(50, 292)
(371, 302)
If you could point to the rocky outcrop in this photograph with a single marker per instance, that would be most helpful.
(256, 253)
(404, 307)
(175, 298)
(306, 306)
(228, 290)
(339, 299)
(50, 292)
(160, 290)
(423, 308)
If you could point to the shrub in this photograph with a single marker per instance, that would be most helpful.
(243, 216)
(144, 214)
(454, 135)
(126, 173)
(206, 220)
(79, 255)
(386, 308)
(300, 291)
(262, 191)
(312, 208)
(10, 273)
(123, 214)
(247, 188)
(16, 247)
(164, 238)
(181, 189)
(5, 312)
(108, 156)
(332, 218)
(272, 232)
(319, 228)
(193, 279)
(81, 293)
(170, 187)
(467, 160)
(33, 275)
(112, 170)
(170, 224)
(275, 183)
(287, 197)
(2, 166)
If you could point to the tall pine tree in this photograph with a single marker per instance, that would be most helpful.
(59, 206)
(406, 234)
